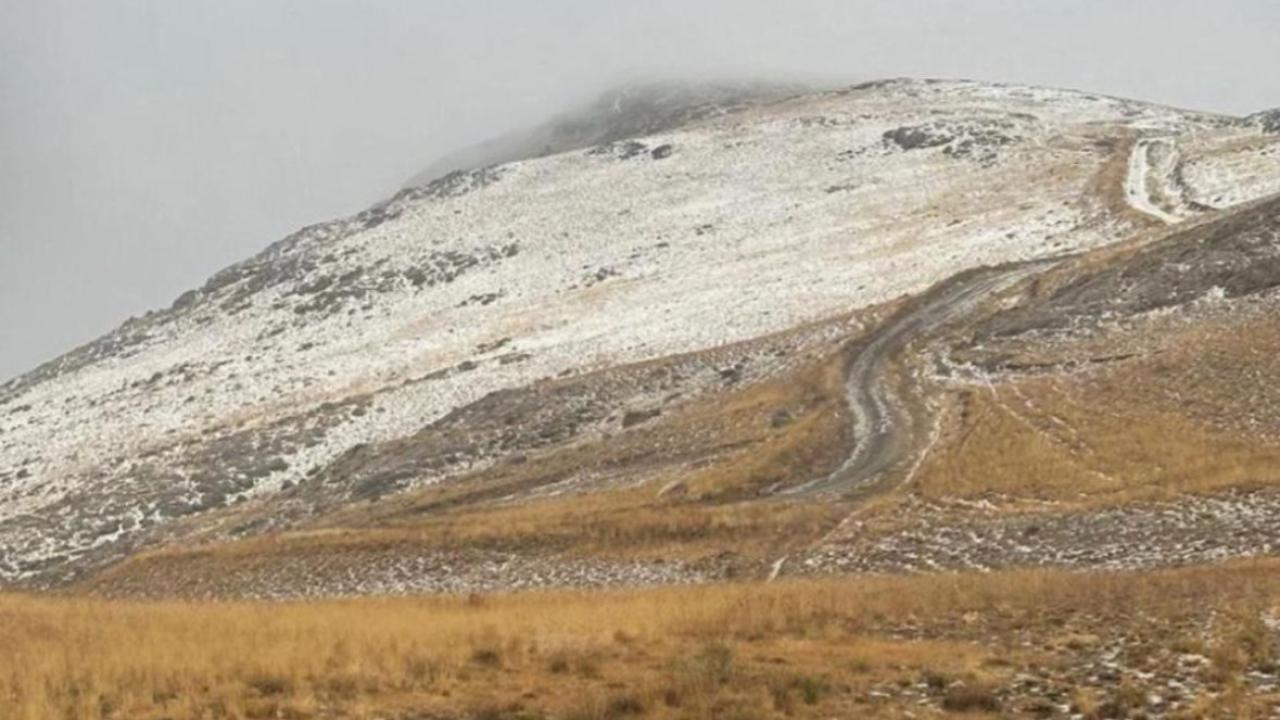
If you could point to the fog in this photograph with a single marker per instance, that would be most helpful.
(145, 145)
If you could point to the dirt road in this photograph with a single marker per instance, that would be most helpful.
(1150, 184)
(887, 434)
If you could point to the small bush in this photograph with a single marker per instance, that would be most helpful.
(598, 707)
(489, 656)
(1085, 703)
(936, 681)
(558, 665)
(713, 663)
(812, 689)
(1227, 663)
(782, 701)
(624, 706)
(490, 710)
(269, 685)
(1255, 640)
(583, 663)
(420, 670)
(342, 686)
(970, 697)
(672, 697)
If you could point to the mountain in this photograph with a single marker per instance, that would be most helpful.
(627, 111)
(897, 326)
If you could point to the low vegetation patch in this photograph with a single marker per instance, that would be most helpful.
(994, 645)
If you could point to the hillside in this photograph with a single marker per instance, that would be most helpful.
(700, 353)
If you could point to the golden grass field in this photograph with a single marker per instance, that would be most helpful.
(1192, 413)
(815, 648)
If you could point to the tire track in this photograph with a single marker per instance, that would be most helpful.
(886, 432)
(1137, 184)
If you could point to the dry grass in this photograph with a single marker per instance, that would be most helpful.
(1193, 413)
(1036, 441)
(596, 528)
(623, 523)
(793, 649)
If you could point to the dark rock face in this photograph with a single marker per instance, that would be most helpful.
(917, 137)
(1237, 255)
(636, 417)
(977, 140)
(1268, 120)
(629, 149)
(621, 150)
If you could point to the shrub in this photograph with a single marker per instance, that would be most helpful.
(713, 663)
(487, 655)
(971, 697)
(268, 685)
(812, 689)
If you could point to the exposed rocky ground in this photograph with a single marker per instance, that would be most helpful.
(966, 537)
(1143, 668)
(383, 571)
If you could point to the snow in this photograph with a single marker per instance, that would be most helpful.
(1226, 170)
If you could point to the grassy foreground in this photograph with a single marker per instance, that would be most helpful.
(821, 648)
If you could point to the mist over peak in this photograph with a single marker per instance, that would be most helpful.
(629, 108)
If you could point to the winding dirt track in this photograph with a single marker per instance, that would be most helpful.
(1153, 161)
(887, 434)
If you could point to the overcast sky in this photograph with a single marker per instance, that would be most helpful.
(145, 145)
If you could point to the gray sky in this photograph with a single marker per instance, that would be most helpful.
(145, 145)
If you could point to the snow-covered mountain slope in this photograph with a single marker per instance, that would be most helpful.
(365, 330)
